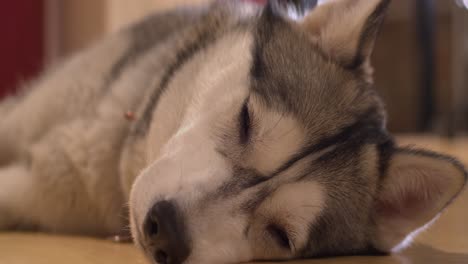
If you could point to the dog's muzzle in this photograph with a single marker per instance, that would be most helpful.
(165, 234)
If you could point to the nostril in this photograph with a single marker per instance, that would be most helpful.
(161, 257)
(152, 226)
(165, 233)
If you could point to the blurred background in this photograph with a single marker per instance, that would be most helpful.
(421, 57)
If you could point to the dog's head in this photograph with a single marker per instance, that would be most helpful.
(278, 148)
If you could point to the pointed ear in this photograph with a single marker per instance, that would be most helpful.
(417, 186)
(346, 29)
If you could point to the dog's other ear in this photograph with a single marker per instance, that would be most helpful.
(345, 30)
(417, 186)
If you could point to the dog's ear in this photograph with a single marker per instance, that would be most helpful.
(417, 186)
(345, 30)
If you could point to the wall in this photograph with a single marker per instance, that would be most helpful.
(122, 12)
(21, 45)
(75, 24)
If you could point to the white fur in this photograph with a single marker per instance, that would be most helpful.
(47, 142)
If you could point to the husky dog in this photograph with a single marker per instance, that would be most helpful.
(233, 132)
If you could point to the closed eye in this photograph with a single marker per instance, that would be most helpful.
(245, 125)
(279, 235)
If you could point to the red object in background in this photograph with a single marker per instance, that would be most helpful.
(21, 42)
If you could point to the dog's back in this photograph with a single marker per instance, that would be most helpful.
(76, 88)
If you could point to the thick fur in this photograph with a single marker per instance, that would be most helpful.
(259, 134)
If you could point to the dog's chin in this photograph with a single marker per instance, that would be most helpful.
(198, 256)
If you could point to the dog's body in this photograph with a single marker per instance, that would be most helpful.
(77, 115)
(206, 114)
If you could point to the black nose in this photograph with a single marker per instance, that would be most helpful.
(166, 233)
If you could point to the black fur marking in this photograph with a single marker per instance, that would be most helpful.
(279, 235)
(145, 35)
(263, 35)
(385, 150)
(258, 67)
(252, 204)
(245, 124)
(182, 57)
(371, 29)
(241, 180)
(368, 129)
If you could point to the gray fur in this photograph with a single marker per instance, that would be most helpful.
(148, 33)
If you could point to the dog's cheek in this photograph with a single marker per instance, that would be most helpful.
(217, 235)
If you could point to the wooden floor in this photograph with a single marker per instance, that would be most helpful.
(445, 243)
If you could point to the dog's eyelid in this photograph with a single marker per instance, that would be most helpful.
(245, 123)
(280, 235)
